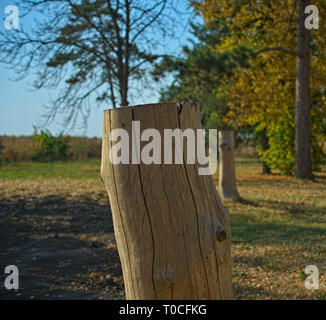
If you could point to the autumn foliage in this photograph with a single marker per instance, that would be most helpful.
(263, 95)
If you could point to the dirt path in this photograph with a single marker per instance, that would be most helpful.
(59, 234)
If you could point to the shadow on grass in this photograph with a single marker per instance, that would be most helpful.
(297, 210)
(302, 209)
(277, 179)
(64, 249)
(249, 228)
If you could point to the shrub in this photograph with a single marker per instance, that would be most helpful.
(16, 149)
(281, 133)
(84, 148)
(27, 148)
(48, 147)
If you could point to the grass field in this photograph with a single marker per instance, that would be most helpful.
(278, 228)
(74, 170)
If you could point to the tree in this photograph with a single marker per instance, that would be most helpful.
(302, 88)
(264, 147)
(198, 73)
(267, 97)
(172, 231)
(227, 179)
(86, 48)
(196, 78)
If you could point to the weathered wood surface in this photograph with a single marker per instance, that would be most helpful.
(172, 231)
(227, 177)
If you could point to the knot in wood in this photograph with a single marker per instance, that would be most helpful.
(220, 234)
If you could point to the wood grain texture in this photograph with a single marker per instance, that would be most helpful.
(227, 178)
(167, 218)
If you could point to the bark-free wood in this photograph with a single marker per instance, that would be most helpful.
(227, 179)
(265, 146)
(172, 231)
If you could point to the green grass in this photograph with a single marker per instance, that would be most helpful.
(70, 169)
(277, 229)
(75, 170)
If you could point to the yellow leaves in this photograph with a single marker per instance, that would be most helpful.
(94, 275)
(265, 92)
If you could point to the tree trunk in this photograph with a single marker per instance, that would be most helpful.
(265, 146)
(172, 231)
(227, 180)
(302, 144)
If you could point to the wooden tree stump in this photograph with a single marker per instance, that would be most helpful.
(227, 179)
(172, 231)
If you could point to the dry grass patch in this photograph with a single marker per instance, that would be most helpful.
(58, 214)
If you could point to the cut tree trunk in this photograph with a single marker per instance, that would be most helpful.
(302, 135)
(227, 179)
(172, 231)
(265, 146)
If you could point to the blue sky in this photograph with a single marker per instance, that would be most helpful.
(21, 108)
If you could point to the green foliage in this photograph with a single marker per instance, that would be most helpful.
(24, 148)
(317, 129)
(263, 95)
(302, 275)
(50, 148)
(198, 74)
(281, 136)
(281, 154)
